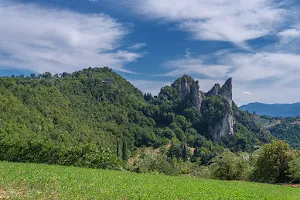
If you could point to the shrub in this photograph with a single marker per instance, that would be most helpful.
(295, 170)
(47, 152)
(229, 166)
(272, 163)
(155, 164)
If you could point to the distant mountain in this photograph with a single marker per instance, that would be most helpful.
(274, 110)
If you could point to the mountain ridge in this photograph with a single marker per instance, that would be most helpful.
(274, 110)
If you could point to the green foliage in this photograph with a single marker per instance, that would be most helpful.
(243, 140)
(154, 164)
(47, 152)
(214, 109)
(179, 151)
(229, 166)
(97, 107)
(272, 163)
(289, 131)
(74, 110)
(294, 169)
(247, 120)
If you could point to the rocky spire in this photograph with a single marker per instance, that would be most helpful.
(190, 87)
(225, 126)
(226, 91)
(215, 90)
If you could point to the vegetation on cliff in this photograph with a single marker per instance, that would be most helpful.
(97, 115)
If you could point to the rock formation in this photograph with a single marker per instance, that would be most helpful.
(215, 90)
(189, 93)
(225, 126)
(226, 91)
(190, 88)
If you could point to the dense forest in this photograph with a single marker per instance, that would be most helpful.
(96, 118)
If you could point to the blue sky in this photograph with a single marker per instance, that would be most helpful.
(153, 42)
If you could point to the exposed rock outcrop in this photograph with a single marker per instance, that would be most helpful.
(226, 91)
(190, 88)
(215, 90)
(225, 126)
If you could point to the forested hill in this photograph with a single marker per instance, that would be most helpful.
(97, 109)
(283, 128)
(89, 106)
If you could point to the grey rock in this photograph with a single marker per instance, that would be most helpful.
(226, 91)
(214, 91)
(190, 87)
(225, 126)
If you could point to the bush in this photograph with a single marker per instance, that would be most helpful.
(229, 166)
(295, 170)
(154, 164)
(272, 163)
(37, 151)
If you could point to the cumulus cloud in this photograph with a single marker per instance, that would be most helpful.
(44, 39)
(234, 21)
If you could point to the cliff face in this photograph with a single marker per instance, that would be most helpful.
(189, 88)
(215, 90)
(190, 94)
(225, 126)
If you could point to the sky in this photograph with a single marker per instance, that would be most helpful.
(153, 42)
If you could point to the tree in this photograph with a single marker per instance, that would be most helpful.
(229, 166)
(272, 163)
(33, 75)
(295, 170)
(168, 133)
(185, 153)
(124, 150)
(118, 149)
(47, 75)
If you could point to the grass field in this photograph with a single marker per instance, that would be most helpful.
(37, 181)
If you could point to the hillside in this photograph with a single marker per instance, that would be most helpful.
(274, 110)
(37, 181)
(283, 128)
(96, 118)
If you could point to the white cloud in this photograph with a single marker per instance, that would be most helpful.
(195, 66)
(264, 66)
(293, 32)
(137, 46)
(56, 40)
(271, 77)
(228, 20)
(289, 40)
(247, 93)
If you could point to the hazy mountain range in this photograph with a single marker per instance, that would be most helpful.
(274, 110)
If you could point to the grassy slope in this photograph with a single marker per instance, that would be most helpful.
(37, 181)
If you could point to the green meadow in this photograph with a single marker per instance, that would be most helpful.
(39, 181)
